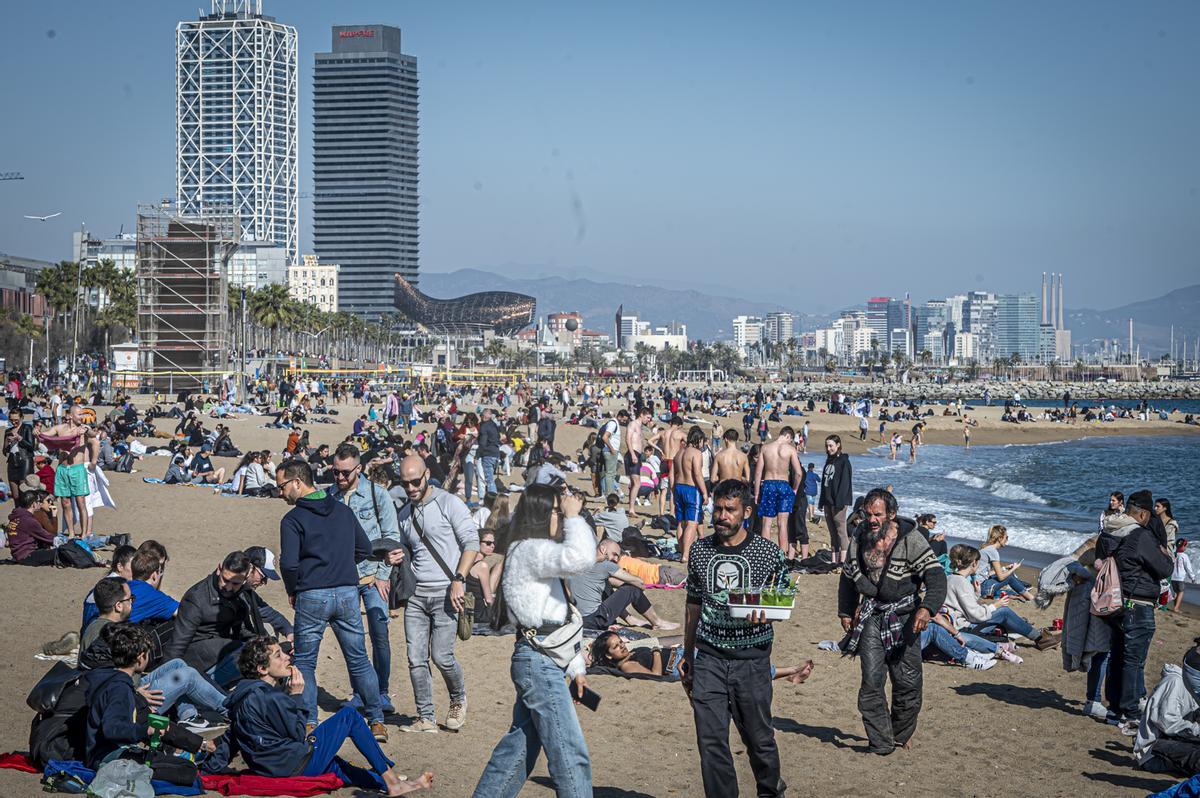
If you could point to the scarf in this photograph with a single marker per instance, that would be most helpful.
(891, 628)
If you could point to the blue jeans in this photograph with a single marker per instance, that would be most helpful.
(1125, 683)
(376, 610)
(179, 680)
(330, 736)
(944, 641)
(1011, 583)
(543, 719)
(1095, 677)
(1004, 616)
(226, 671)
(336, 607)
(430, 627)
(488, 466)
(468, 478)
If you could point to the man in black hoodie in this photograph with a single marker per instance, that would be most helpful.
(837, 494)
(320, 545)
(1141, 563)
(267, 726)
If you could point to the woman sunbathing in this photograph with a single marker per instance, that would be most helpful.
(610, 651)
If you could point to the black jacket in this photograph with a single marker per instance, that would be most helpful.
(1140, 562)
(489, 439)
(320, 545)
(837, 482)
(208, 622)
(114, 717)
(267, 726)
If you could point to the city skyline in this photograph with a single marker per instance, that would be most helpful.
(921, 149)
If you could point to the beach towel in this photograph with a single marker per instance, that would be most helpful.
(249, 784)
(56, 768)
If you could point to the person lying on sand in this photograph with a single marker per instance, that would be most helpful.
(610, 651)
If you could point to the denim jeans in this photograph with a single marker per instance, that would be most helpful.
(608, 479)
(488, 466)
(376, 610)
(941, 638)
(543, 719)
(330, 736)
(430, 626)
(179, 680)
(1097, 670)
(1125, 683)
(991, 586)
(1006, 617)
(468, 478)
(336, 607)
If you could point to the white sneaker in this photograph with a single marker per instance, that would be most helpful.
(1094, 709)
(1008, 655)
(979, 662)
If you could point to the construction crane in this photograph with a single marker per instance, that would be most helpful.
(11, 176)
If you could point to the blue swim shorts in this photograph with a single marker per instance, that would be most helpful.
(687, 503)
(777, 497)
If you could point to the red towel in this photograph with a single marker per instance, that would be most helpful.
(248, 784)
(18, 761)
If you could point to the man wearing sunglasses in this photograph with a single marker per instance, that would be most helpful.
(438, 529)
(376, 514)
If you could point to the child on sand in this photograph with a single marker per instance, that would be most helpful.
(1184, 572)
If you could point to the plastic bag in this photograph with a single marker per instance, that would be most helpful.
(122, 778)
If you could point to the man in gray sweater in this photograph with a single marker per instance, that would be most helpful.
(444, 540)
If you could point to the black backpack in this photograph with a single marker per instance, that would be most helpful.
(59, 728)
(72, 555)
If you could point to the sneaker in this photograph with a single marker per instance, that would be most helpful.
(67, 644)
(978, 662)
(119, 540)
(1113, 718)
(380, 731)
(1129, 728)
(457, 715)
(195, 724)
(1008, 655)
(1094, 709)
(385, 703)
(422, 725)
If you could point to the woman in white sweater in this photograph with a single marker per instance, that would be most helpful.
(545, 544)
(980, 618)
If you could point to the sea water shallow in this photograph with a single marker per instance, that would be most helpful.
(1049, 495)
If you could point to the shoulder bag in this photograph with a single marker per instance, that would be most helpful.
(466, 618)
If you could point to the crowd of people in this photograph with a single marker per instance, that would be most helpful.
(417, 510)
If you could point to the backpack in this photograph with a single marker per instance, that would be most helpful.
(59, 728)
(1106, 596)
(74, 554)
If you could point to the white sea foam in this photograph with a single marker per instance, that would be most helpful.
(1007, 490)
(958, 475)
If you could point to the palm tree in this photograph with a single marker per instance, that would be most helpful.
(271, 308)
(926, 357)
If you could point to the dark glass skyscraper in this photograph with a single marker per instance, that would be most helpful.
(365, 165)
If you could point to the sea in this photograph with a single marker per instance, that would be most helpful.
(1048, 495)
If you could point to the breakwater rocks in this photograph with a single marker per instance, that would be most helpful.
(999, 390)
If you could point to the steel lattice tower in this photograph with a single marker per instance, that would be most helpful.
(236, 120)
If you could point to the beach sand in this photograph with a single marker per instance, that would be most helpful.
(1014, 730)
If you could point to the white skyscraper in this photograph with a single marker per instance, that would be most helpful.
(236, 115)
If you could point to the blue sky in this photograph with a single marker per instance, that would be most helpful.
(813, 154)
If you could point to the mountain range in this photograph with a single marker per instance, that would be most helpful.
(709, 315)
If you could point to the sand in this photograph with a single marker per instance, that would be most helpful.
(1013, 730)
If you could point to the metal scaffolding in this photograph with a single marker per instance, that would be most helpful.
(182, 327)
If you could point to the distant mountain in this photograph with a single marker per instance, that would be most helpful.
(1152, 321)
(707, 316)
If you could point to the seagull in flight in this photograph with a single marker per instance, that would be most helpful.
(43, 218)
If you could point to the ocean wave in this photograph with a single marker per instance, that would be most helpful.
(1005, 490)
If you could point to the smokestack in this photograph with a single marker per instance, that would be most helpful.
(1044, 321)
(1061, 323)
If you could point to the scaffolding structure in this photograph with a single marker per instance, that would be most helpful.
(182, 319)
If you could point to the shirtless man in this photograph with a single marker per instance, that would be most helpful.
(635, 440)
(731, 462)
(672, 442)
(688, 488)
(775, 481)
(71, 476)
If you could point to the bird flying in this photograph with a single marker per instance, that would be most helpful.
(43, 218)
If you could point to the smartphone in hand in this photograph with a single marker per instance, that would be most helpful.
(587, 697)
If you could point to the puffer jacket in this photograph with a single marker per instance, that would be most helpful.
(1140, 562)
(1169, 712)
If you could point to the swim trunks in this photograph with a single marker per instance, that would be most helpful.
(777, 497)
(71, 480)
(687, 503)
(633, 468)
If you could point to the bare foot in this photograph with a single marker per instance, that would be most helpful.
(637, 623)
(907, 745)
(666, 626)
(405, 787)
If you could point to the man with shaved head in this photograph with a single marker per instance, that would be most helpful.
(438, 529)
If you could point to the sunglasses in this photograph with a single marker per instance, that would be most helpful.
(487, 543)
(343, 472)
(412, 483)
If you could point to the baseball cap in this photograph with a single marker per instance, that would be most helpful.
(264, 560)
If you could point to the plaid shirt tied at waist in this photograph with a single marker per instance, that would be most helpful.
(891, 627)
